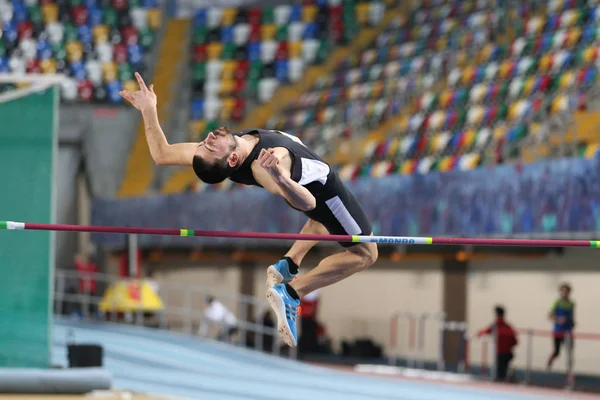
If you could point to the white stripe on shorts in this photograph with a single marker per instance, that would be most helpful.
(343, 216)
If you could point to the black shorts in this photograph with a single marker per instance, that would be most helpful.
(338, 210)
(558, 341)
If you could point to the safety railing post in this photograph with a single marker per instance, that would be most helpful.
(187, 311)
(441, 362)
(529, 364)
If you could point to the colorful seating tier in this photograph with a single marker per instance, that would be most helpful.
(98, 44)
(369, 88)
(241, 56)
(458, 98)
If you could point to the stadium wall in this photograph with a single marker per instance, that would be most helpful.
(354, 308)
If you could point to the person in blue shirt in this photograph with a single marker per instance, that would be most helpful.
(562, 313)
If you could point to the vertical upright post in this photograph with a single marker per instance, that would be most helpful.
(412, 327)
(529, 357)
(441, 365)
(569, 351)
(243, 319)
(421, 341)
(187, 309)
(393, 356)
(493, 368)
(132, 249)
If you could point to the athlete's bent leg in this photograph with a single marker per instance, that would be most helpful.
(336, 268)
(286, 269)
(301, 247)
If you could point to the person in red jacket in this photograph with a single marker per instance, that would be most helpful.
(506, 341)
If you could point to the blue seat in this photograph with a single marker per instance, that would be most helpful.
(281, 70)
(197, 110)
(4, 65)
(89, 4)
(94, 16)
(296, 13)
(20, 13)
(200, 18)
(310, 31)
(254, 51)
(113, 88)
(78, 70)
(227, 34)
(84, 33)
(135, 55)
(44, 49)
(150, 4)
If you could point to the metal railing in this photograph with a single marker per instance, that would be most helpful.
(182, 309)
(416, 327)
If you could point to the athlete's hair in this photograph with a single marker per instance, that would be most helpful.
(219, 170)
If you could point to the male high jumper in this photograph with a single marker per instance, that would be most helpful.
(281, 164)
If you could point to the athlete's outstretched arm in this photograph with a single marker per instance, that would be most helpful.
(162, 152)
(275, 179)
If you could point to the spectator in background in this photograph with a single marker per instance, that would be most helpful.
(506, 341)
(562, 313)
(216, 314)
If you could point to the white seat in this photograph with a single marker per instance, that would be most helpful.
(29, 48)
(56, 32)
(268, 50)
(309, 50)
(295, 69)
(105, 52)
(139, 17)
(282, 14)
(241, 33)
(94, 71)
(213, 70)
(69, 89)
(266, 89)
(295, 31)
(212, 108)
(213, 17)
(376, 13)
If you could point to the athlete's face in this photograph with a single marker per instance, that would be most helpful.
(218, 145)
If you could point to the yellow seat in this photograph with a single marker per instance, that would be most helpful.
(559, 104)
(130, 85)
(442, 44)
(545, 63)
(393, 148)
(109, 71)
(74, 51)
(504, 69)
(154, 18)
(574, 35)
(362, 13)
(50, 13)
(377, 89)
(214, 50)
(267, 32)
(228, 17)
(469, 138)
(499, 132)
(227, 87)
(566, 80)
(100, 33)
(228, 69)
(48, 66)
(295, 49)
(309, 13)
(403, 124)
(445, 98)
(467, 74)
(197, 129)
(529, 84)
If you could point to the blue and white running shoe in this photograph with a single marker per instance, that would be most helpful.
(286, 310)
(279, 273)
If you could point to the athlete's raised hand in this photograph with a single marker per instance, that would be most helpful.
(270, 162)
(142, 99)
